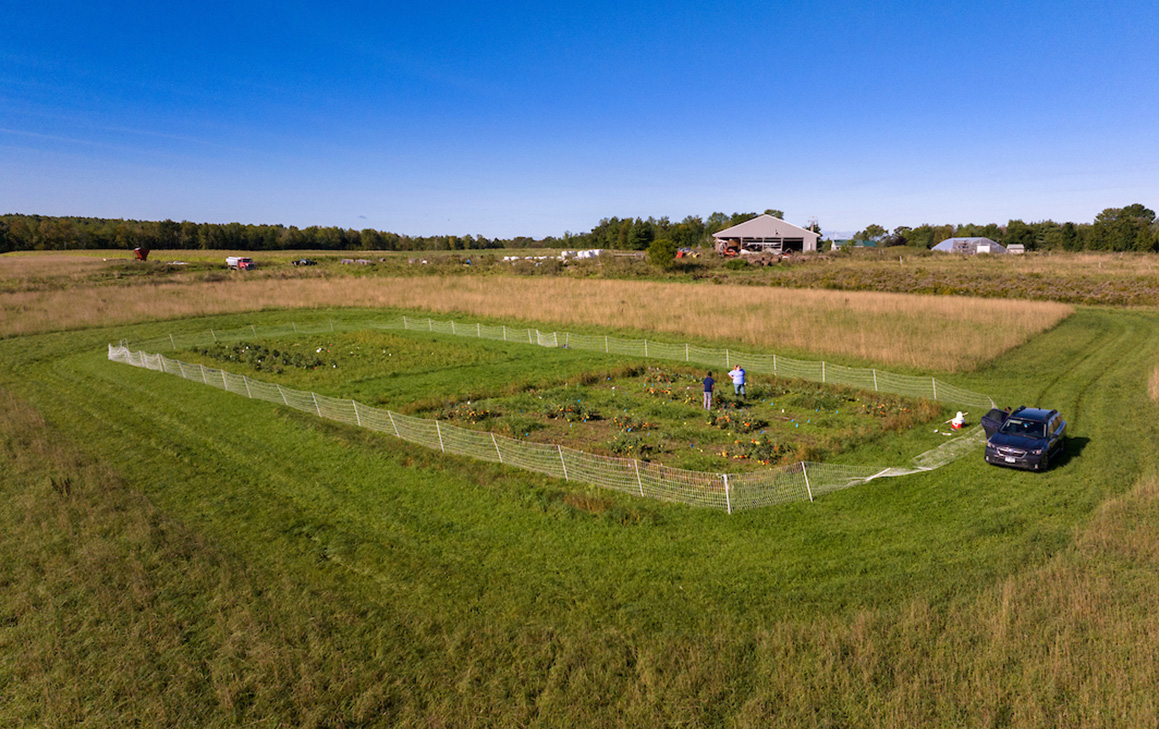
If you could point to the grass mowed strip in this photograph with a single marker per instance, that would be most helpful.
(414, 588)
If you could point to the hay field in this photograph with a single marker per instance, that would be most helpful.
(946, 333)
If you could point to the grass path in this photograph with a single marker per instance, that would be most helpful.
(374, 582)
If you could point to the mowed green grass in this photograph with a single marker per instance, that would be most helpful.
(288, 570)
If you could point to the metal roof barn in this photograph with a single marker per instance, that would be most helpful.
(766, 233)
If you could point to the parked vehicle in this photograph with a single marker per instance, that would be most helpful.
(305, 262)
(1028, 438)
(241, 263)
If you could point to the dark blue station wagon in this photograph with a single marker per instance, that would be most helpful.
(1028, 438)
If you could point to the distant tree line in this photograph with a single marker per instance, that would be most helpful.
(1131, 228)
(39, 232)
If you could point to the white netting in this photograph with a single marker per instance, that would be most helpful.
(952, 450)
(550, 339)
(732, 492)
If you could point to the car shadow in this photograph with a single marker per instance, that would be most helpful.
(1074, 448)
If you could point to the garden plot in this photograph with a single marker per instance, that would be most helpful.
(597, 404)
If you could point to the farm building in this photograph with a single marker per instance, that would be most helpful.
(839, 243)
(969, 245)
(765, 233)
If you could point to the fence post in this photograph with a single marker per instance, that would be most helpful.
(727, 497)
(331, 325)
(822, 370)
(561, 461)
(727, 363)
(440, 432)
(246, 380)
(875, 380)
(639, 483)
(357, 417)
(645, 347)
(396, 433)
(213, 333)
(686, 352)
(478, 329)
(252, 329)
(497, 451)
(808, 488)
(453, 327)
(935, 383)
(295, 325)
(171, 342)
(316, 408)
(774, 364)
(605, 344)
(430, 326)
(282, 393)
(504, 332)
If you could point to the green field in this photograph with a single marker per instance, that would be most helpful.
(176, 555)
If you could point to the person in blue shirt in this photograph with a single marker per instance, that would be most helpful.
(708, 385)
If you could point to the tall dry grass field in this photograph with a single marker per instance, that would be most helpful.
(1064, 639)
(31, 272)
(1056, 264)
(948, 333)
(1153, 384)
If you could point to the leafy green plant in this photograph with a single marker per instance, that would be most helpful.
(763, 450)
(631, 444)
(261, 356)
(467, 412)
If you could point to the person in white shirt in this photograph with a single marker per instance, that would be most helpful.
(737, 375)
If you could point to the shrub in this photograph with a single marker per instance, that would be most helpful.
(662, 253)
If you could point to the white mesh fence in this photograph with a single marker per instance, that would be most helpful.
(730, 492)
(864, 378)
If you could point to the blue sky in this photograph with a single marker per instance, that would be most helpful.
(508, 119)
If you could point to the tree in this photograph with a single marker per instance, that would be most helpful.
(1123, 229)
(688, 232)
(779, 214)
(662, 252)
(640, 235)
(1018, 233)
(873, 232)
(899, 236)
(168, 234)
